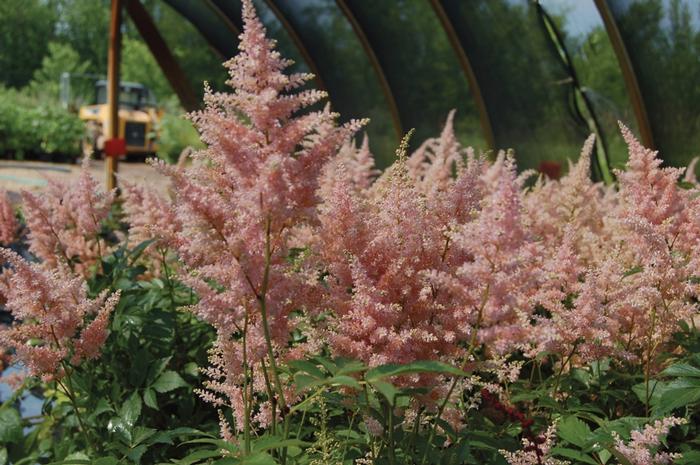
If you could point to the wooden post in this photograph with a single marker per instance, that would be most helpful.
(113, 62)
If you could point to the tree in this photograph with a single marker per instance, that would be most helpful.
(26, 28)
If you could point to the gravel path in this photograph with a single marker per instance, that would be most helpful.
(32, 175)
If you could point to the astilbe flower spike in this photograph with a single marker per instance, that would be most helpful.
(239, 204)
(535, 450)
(150, 215)
(51, 312)
(65, 220)
(642, 449)
(8, 221)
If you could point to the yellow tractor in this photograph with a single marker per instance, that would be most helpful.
(139, 118)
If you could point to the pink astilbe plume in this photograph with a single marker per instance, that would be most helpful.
(150, 215)
(65, 220)
(241, 199)
(653, 216)
(51, 313)
(434, 163)
(535, 452)
(8, 221)
(574, 202)
(642, 449)
(356, 162)
(492, 287)
(380, 248)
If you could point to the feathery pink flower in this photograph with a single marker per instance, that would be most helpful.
(51, 312)
(65, 220)
(8, 220)
(150, 216)
(535, 453)
(243, 200)
(642, 449)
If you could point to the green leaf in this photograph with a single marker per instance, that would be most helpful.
(342, 380)
(679, 393)
(573, 430)
(131, 410)
(691, 457)
(260, 458)
(106, 461)
(219, 443)
(657, 388)
(136, 252)
(303, 381)
(10, 426)
(198, 456)
(388, 390)
(156, 368)
(349, 366)
(682, 369)
(120, 429)
(141, 433)
(306, 367)
(136, 453)
(573, 454)
(276, 442)
(168, 381)
(633, 270)
(425, 366)
(101, 407)
(149, 398)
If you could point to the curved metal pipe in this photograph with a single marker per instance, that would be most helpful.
(298, 42)
(630, 77)
(372, 56)
(464, 62)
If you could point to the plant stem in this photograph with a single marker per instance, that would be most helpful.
(470, 351)
(246, 398)
(266, 329)
(390, 426)
(70, 393)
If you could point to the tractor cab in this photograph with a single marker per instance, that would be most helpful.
(132, 95)
(138, 119)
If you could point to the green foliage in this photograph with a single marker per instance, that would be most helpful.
(26, 28)
(137, 400)
(33, 126)
(61, 58)
(175, 133)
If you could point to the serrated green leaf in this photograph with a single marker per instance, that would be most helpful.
(260, 458)
(573, 454)
(131, 410)
(691, 457)
(106, 461)
(219, 443)
(149, 398)
(10, 426)
(168, 381)
(303, 381)
(120, 430)
(156, 368)
(276, 442)
(574, 431)
(306, 366)
(679, 393)
(198, 456)
(388, 390)
(682, 370)
(349, 366)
